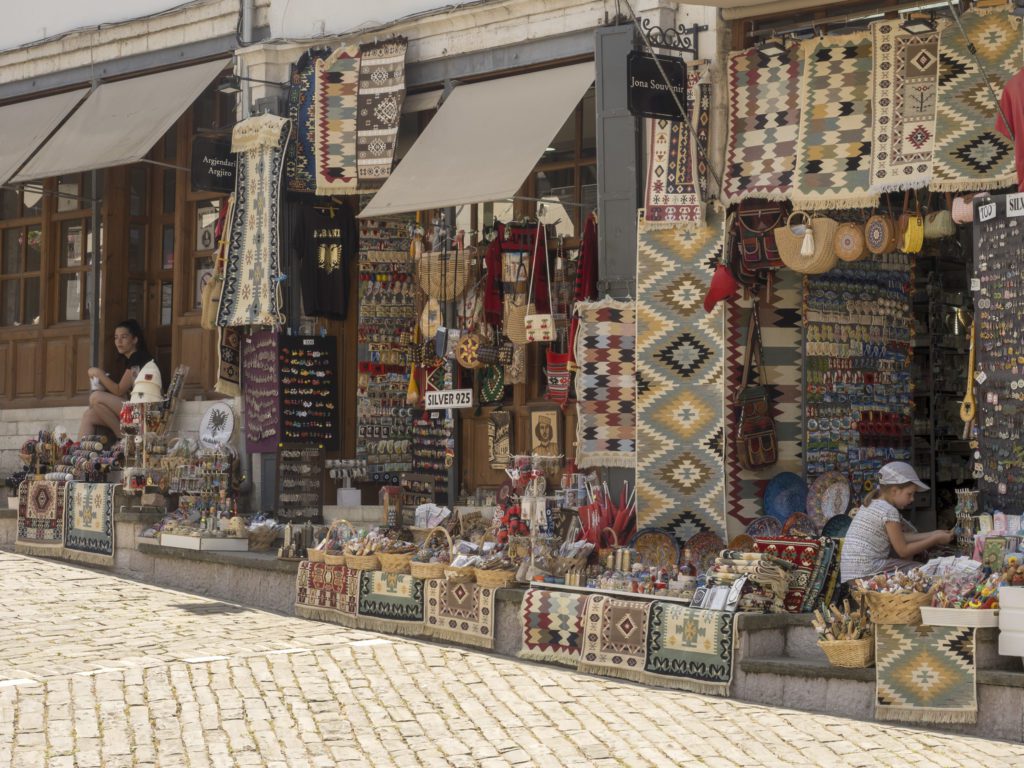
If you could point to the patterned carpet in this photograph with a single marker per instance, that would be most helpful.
(327, 593)
(764, 123)
(680, 380)
(462, 613)
(336, 88)
(970, 154)
(905, 82)
(89, 523)
(781, 318)
(390, 602)
(552, 626)
(690, 648)
(615, 637)
(381, 93)
(833, 168)
(41, 518)
(300, 162)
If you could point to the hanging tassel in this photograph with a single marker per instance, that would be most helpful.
(807, 247)
(412, 394)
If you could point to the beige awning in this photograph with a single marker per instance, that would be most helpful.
(26, 124)
(121, 121)
(421, 102)
(483, 142)
(742, 9)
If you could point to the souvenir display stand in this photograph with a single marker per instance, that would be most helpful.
(300, 482)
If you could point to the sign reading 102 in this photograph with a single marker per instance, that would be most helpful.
(448, 398)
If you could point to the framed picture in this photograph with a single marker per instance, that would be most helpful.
(499, 439)
(545, 437)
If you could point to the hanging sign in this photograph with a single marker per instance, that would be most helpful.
(435, 400)
(647, 94)
(213, 165)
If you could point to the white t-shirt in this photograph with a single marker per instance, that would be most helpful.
(866, 548)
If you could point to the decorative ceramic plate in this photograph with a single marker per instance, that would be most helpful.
(837, 526)
(743, 542)
(656, 547)
(799, 524)
(704, 548)
(785, 494)
(828, 496)
(217, 425)
(764, 527)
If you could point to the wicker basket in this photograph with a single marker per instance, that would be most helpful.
(261, 538)
(431, 570)
(494, 578)
(854, 654)
(334, 558)
(460, 575)
(895, 607)
(363, 562)
(603, 552)
(315, 555)
(395, 563)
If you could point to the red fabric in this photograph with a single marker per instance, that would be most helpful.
(586, 278)
(492, 289)
(723, 285)
(1012, 103)
(802, 554)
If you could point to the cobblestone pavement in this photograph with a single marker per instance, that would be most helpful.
(98, 671)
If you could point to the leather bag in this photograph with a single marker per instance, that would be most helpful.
(939, 223)
(757, 444)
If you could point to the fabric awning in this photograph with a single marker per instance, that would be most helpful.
(26, 124)
(121, 121)
(483, 142)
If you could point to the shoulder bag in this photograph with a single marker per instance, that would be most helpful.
(910, 227)
(939, 223)
(539, 326)
(756, 442)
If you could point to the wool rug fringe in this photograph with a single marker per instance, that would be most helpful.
(256, 132)
(38, 550)
(937, 716)
(633, 675)
(563, 660)
(389, 626)
(92, 558)
(326, 614)
(443, 633)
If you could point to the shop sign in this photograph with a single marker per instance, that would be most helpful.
(1015, 205)
(647, 94)
(213, 165)
(448, 398)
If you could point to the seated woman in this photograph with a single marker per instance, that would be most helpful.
(105, 404)
(879, 539)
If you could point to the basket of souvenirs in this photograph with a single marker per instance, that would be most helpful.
(330, 549)
(495, 571)
(434, 554)
(361, 552)
(895, 598)
(462, 569)
(395, 555)
(262, 535)
(846, 636)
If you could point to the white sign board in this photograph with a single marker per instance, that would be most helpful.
(448, 398)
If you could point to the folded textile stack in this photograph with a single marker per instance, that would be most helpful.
(767, 578)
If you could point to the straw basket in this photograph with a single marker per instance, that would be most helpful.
(334, 558)
(331, 556)
(431, 570)
(460, 575)
(854, 654)
(363, 562)
(494, 578)
(315, 555)
(603, 552)
(895, 607)
(395, 563)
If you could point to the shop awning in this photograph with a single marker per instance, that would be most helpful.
(483, 142)
(26, 124)
(742, 9)
(421, 102)
(121, 121)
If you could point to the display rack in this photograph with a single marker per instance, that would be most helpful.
(300, 482)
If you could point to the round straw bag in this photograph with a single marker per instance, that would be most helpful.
(807, 247)
(494, 578)
(467, 351)
(853, 654)
(431, 570)
(516, 310)
(442, 276)
(395, 562)
(895, 607)
(849, 242)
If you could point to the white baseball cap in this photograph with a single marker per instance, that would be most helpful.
(898, 473)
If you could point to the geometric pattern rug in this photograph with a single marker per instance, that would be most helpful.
(782, 344)
(381, 93)
(462, 613)
(552, 626)
(300, 162)
(336, 88)
(970, 154)
(925, 674)
(615, 637)
(606, 384)
(764, 123)
(689, 648)
(833, 168)
(390, 602)
(905, 82)
(327, 593)
(680, 382)
(89, 523)
(41, 517)
(804, 555)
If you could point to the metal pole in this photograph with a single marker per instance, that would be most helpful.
(448, 220)
(94, 298)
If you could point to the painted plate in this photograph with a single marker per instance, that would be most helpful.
(743, 542)
(764, 528)
(828, 496)
(837, 526)
(656, 547)
(785, 494)
(799, 524)
(704, 548)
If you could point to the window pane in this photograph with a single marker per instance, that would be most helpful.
(89, 253)
(589, 148)
(31, 315)
(68, 191)
(10, 204)
(168, 194)
(72, 244)
(588, 188)
(166, 302)
(11, 312)
(33, 200)
(136, 299)
(137, 248)
(556, 188)
(167, 247)
(138, 180)
(33, 248)
(70, 297)
(12, 250)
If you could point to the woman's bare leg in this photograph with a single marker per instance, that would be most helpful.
(104, 411)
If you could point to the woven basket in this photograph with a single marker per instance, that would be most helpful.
(443, 276)
(395, 563)
(854, 654)
(895, 607)
(494, 578)
(261, 539)
(603, 552)
(431, 570)
(460, 575)
(363, 562)
(315, 555)
(334, 558)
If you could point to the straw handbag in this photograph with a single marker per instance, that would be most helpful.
(939, 223)
(880, 233)
(807, 247)
(442, 275)
(849, 242)
(910, 227)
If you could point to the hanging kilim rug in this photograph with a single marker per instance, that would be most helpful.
(781, 318)
(904, 83)
(552, 626)
(925, 674)
(252, 272)
(229, 362)
(605, 384)
(833, 166)
(390, 602)
(680, 482)
(803, 556)
(381, 93)
(615, 637)
(462, 613)
(41, 517)
(301, 163)
(673, 197)
(969, 153)
(689, 648)
(327, 593)
(336, 89)
(89, 523)
(764, 123)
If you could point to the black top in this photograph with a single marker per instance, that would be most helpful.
(325, 241)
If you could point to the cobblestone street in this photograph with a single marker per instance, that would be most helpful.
(98, 671)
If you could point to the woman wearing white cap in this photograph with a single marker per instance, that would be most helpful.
(879, 539)
(108, 394)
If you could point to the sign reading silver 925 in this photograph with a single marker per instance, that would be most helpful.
(448, 398)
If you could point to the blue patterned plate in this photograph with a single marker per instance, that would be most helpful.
(785, 494)
(837, 526)
(764, 528)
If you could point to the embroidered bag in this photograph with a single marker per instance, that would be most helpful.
(756, 441)
(539, 327)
